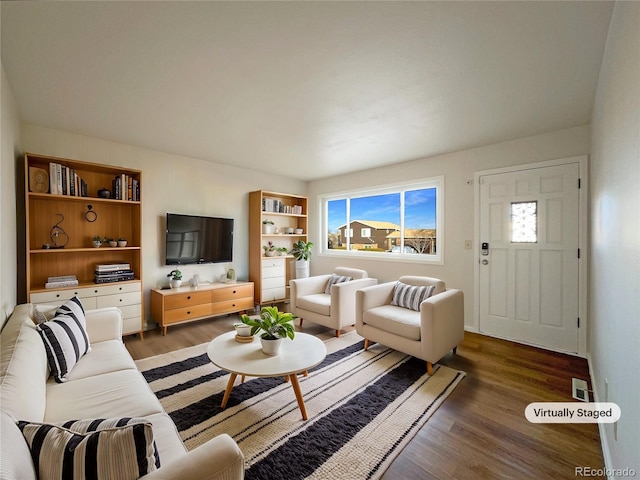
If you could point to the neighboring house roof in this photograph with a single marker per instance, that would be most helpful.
(414, 233)
(375, 224)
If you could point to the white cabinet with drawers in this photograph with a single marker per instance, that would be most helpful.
(127, 296)
(274, 279)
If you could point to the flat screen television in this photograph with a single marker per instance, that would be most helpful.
(195, 239)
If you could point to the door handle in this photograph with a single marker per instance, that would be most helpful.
(485, 261)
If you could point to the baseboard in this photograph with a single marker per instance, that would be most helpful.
(604, 444)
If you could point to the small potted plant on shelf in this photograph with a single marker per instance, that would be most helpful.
(176, 278)
(270, 249)
(281, 250)
(122, 242)
(267, 227)
(97, 241)
(302, 252)
(275, 326)
(111, 242)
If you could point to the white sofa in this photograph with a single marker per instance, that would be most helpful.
(335, 310)
(428, 333)
(103, 384)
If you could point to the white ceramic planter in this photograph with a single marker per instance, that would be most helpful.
(270, 347)
(175, 283)
(242, 329)
(268, 229)
(302, 268)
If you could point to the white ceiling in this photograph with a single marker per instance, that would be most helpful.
(305, 89)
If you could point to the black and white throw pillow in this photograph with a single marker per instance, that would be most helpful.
(411, 296)
(334, 279)
(109, 448)
(65, 338)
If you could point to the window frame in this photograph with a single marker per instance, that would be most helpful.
(436, 182)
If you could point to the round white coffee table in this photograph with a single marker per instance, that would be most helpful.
(247, 359)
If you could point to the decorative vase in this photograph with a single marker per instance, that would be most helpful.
(302, 268)
(175, 283)
(270, 347)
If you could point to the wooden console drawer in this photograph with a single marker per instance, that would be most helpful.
(188, 313)
(232, 292)
(186, 299)
(233, 305)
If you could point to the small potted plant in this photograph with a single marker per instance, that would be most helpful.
(275, 326)
(267, 227)
(122, 242)
(97, 241)
(281, 250)
(302, 252)
(269, 249)
(175, 278)
(111, 242)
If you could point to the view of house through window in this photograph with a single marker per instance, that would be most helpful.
(391, 221)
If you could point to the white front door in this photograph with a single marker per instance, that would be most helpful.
(529, 280)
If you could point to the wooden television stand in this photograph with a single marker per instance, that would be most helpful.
(186, 304)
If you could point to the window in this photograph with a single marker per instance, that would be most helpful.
(524, 222)
(389, 222)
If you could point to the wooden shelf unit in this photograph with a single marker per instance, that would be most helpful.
(271, 275)
(114, 218)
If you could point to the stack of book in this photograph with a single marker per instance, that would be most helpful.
(125, 187)
(113, 272)
(65, 181)
(62, 281)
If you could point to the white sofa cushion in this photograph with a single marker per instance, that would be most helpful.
(397, 320)
(123, 394)
(165, 433)
(23, 367)
(65, 338)
(104, 357)
(318, 303)
(123, 452)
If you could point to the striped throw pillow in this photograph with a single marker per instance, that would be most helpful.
(335, 279)
(114, 451)
(65, 338)
(411, 296)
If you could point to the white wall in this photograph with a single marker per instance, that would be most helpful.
(614, 343)
(10, 127)
(171, 183)
(457, 168)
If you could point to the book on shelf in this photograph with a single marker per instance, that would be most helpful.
(111, 267)
(62, 278)
(62, 283)
(119, 277)
(65, 181)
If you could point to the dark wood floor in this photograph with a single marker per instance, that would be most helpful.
(480, 431)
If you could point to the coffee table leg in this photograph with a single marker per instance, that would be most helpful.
(296, 388)
(227, 392)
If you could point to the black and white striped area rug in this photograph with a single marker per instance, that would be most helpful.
(363, 408)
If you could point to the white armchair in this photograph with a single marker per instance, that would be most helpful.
(428, 334)
(335, 310)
